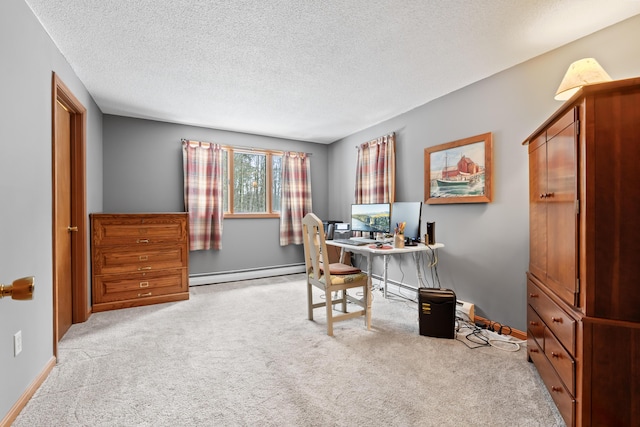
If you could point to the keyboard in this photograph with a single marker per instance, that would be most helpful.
(355, 242)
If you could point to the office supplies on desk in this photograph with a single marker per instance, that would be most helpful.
(431, 233)
(380, 245)
(340, 231)
(329, 226)
(354, 242)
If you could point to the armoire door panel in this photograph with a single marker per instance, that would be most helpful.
(562, 221)
(538, 208)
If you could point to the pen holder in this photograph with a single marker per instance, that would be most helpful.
(398, 240)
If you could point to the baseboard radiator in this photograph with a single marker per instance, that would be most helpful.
(235, 275)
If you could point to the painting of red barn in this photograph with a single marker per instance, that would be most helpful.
(459, 171)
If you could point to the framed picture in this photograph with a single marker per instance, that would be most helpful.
(459, 171)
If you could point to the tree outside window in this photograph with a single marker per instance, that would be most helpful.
(253, 187)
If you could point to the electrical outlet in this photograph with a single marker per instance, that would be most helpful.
(17, 343)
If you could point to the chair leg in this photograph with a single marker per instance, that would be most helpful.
(344, 300)
(335, 296)
(310, 300)
(329, 313)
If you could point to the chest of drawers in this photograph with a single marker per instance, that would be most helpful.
(139, 259)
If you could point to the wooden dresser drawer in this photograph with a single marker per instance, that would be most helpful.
(116, 287)
(138, 229)
(561, 361)
(535, 326)
(113, 259)
(556, 319)
(561, 396)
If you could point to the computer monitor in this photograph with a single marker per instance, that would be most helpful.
(371, 217)
(409, 213)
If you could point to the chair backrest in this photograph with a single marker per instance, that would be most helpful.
(315, 247)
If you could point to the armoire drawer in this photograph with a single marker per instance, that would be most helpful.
(116, 287)
(535, 326)
(113, 259)
(561, 361)
(554, 317)
(561, 396)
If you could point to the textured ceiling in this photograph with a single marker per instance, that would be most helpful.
(302, 69)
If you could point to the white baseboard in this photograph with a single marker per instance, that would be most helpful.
(232, 276)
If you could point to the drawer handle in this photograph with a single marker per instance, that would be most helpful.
(143, 257)
(556, 389)
(148, 294)
(142, 241)
(532, 323)
(556, 319)
(144, 268)
(533, 350)
(533, 295)
(556, 355)
(144, 284)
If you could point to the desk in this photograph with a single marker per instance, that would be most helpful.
(371, 252)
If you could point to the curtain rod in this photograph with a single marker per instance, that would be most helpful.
(239, 147)
(377, 140)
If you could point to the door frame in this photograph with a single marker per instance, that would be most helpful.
(79, 287)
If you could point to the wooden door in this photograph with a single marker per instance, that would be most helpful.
(62, 269)
(70, 287)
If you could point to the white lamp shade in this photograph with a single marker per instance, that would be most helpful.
(581, 73)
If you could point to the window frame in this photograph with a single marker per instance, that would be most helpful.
(269, 154)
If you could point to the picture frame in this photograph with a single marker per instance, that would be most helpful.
(459, 171)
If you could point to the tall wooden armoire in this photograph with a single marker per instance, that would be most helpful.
(583, 283)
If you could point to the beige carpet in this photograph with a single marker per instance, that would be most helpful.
(244, 354)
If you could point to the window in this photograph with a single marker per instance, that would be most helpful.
(252, 184)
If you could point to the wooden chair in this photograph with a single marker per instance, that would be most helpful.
(334, 282)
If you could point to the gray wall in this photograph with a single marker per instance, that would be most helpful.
(28, 58)
(143, 173)
(487, 245)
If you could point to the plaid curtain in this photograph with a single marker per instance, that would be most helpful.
(376, 171)
(296, 196)
(203, 181)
